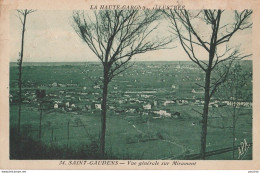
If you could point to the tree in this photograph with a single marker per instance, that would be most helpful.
(115, 37)
(22, 15)
(213, 41)
(237, 89)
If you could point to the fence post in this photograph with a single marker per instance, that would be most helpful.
(40, 94)
(68, 135)
(52, 134)
(40, 128)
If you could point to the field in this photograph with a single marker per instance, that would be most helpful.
(133, 132)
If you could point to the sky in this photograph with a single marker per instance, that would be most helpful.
(50, 37)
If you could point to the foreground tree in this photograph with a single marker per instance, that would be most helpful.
(22, 15)
(211, 40)
(115, 37)
(237, 89)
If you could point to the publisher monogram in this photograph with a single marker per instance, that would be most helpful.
(243, 149)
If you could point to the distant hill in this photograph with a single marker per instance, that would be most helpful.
(13, 64)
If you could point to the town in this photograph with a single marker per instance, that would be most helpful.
(131, 93)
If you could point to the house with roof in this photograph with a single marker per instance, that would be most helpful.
(197, 91)
(147, 106)
(162, 114)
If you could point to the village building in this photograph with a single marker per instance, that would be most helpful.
(54, 84)
(173, 86)
(111, 107)
(56, 106)
(120, 101)
(198, 91)
(163, 113)
(155, 103)
(147, 107)
(62, 85)
(98, 106)
(96, 87)
(131, 110)
(168, 102)
(72, 85)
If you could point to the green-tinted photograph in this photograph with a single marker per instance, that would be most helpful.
(130, 84)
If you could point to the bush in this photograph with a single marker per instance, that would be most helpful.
(26, 148)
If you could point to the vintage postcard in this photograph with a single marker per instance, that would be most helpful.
(129, 85)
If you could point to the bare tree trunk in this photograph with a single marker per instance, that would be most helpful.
(233, 135)
(103, 114)
(205, 116)
(116, 37)
(20, 77)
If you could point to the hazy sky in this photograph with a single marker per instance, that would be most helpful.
(50, 37)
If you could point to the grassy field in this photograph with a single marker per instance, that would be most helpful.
(161, 138)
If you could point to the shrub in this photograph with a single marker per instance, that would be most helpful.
(26, 148)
